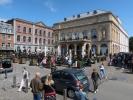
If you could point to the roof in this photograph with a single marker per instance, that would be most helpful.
(71, 70)
(83, 15)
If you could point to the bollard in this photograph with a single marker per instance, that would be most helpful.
(26, 87)
(14, 81)
(65, 94)
(5, 73)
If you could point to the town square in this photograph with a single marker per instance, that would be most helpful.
(66, 50)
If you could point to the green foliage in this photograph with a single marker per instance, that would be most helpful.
(131, 44)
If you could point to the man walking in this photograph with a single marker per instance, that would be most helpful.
(24, 79)
(36, 86)
(95, 77)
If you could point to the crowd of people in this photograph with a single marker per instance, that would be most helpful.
(122, 60)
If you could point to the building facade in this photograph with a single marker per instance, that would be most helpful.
(32, 37)
(97, 32)
(6, 38)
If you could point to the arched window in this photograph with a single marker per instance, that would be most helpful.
(103, 49)
(93, 33)
(24, 38)
(18, 38)
(29, 39)
(40, 41)
(35, 40)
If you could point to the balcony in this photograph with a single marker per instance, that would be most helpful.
(76, 39)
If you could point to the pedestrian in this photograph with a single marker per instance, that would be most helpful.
(24, 79)
(80, 94)
(36, 86)
(95, 77)
(49, 80)
(103, 72)
(44, 62)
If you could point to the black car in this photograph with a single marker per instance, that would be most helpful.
(70, 79)
(6, 64)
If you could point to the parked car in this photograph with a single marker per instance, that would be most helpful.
(70, 79)
(6, 64)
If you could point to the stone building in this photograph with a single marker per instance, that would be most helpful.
(97, 32)
(6, 38)
(32, 37)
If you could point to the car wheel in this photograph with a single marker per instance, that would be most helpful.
(70, 93)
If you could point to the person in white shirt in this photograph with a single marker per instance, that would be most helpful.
(24, 78)
(102, 71)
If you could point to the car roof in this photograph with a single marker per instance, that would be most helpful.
(70, 70)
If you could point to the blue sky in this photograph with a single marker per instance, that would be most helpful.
(52, 11)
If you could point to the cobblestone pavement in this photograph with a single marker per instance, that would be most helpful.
(9, 93)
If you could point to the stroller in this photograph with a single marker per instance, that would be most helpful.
(49, 93)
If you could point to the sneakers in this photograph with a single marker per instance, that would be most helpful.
(96, 91)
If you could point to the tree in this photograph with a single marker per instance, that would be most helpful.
(131, 44)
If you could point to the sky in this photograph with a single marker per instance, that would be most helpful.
(52, 11)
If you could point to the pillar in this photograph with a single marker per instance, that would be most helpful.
(98, 49)
(67, 49)
(59, 50)
(75, 49)
(83, 49)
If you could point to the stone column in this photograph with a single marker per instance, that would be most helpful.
(98, 49)
(83, 50)
(59, 50)
(75, 49)
(67, 48)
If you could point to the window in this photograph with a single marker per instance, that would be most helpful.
(18, 29)
(9, 45)
(35, 40)
(48, 34)
(57, 75)
(67, 76)
(35, 31)
(24, 38)
(48, 41)
(29, 30)
(85, 35)
(29, 39)
(3, 44)
(40, 32)
(3, 36)
(93, 34)
(24, 29)
(35, 49)
(44, 33)
(9, 37)
(52, 41)
(43, 41)
(40, 41)
(18, 38)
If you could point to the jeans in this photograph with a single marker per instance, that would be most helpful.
(95, 83)
(37, 96)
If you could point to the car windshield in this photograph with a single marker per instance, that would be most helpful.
(80, 76)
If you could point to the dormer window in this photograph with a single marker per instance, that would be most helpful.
(95, 12)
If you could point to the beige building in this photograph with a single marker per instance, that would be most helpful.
(97, 32)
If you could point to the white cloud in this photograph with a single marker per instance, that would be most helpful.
(4, 2)
(3, 19)
(50, 6)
